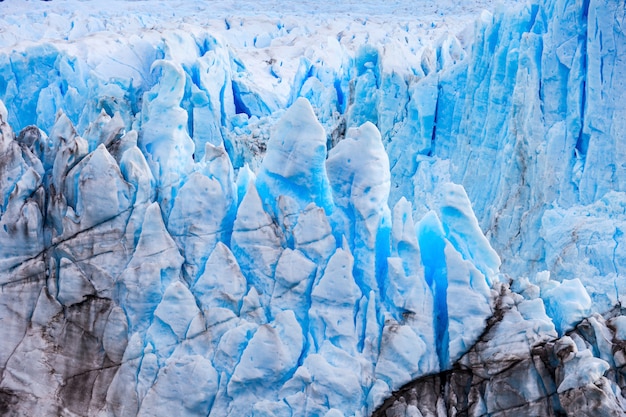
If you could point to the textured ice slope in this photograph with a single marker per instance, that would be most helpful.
(265, 221)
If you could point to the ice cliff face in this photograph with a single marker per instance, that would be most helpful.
(179, 238)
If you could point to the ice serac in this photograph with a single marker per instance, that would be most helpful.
(270, 359)
(410, 323)
(20, 209)
(204, 209)
(163, 136)
(257, 242)
(334, 300)
(164, 397)
(462, 231)
(293, 165)
(154, 265)
(452, 277)
(358, 170)
(96, 189)
(221, 285)
(294, 279)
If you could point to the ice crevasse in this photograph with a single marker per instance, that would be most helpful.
(177, 240)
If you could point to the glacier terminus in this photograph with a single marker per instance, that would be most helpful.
(388, 209)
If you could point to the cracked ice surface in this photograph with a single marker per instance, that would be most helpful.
(258, 216)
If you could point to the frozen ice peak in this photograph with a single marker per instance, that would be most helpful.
(256, 242)
(163, 137)
(204, 209)
(101, 192)
(294, 163)
(462, 230)
(334, 297)
(358, 170)
(155, 264)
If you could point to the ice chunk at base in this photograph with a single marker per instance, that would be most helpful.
(581, 368)
(566, 302)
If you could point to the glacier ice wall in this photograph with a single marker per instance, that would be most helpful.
(134, 264)
(136, 270)
(171, 226)
(547, 85)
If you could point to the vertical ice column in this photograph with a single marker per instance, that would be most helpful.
(213, 103)
(459, 266)
(358, 170)
(204, 209)
(294, 163)
(462, 230)
(21, 205)
(163, 136)
(256, 243)
(408, 347)
(155, 264)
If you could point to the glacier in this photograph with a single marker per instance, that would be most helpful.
(363, 210)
